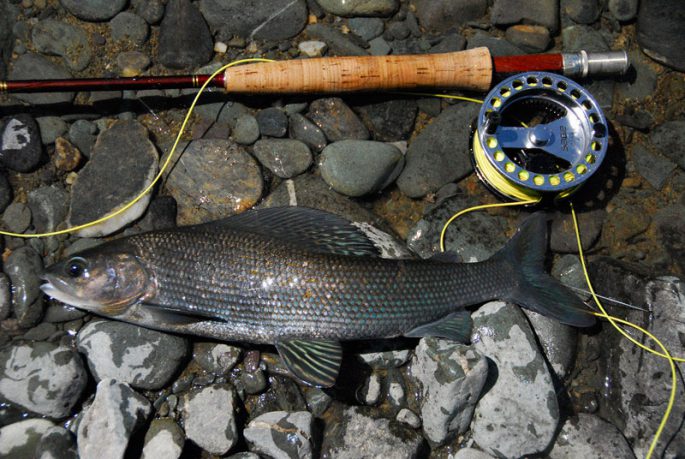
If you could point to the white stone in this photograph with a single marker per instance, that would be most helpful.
(280, 434)
(220, 47)
(408, 417)
(20, 435)
(590, 437)
(209, 418)
(312, 48)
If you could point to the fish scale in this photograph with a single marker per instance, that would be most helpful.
(245, 278)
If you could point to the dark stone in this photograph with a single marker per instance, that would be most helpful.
(49, 206)
(654, 168)
(34, 66)
(670, 229)
(246, 130)
(542, 12)
(661, 32)
(274, 20)
(5, 191)
(338, 43)
(8, 15)
(347, 8)
(440, 153)
(391, 120)
(497, 46)
(150, 10)
(130, 27)
(582, 11)
(57, 38)
(366, 28)
(184, 38)
(442, 15)
(284, 157)
(82, 133)
(530, 38)
(580, 37)
(20, 143)
(272, 122)
(161, 214)
(303, 129)
(641, 120)
(669, 138)
(24, 268)
(450, 43)
(563, 235)
(94, 10)
(337, 120)
(57, 443)
(623, 10)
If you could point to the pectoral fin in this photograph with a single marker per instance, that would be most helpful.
(315, 362)
(177, 316)
(456, 327)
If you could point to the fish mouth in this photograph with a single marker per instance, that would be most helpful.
(60, 290)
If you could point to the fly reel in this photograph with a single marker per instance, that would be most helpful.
(538, 134)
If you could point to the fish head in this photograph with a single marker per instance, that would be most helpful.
(105, 282)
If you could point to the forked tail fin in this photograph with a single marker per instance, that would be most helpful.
(535, 289)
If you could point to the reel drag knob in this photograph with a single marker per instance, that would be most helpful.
(538, 133)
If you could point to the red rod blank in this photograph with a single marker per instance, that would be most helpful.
(527, 63)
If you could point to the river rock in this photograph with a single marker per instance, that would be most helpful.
(353, 8)
(451, 377)
(652, 166)
(582, 11)
(497, 46)
(393, 358)
(284, 157)
(301, 128)
(106, 426)
(360, 167)
(337, 120)
(123, 150)
(272, 121)
(6, 199)
(57, 38)
(20, 143)
(558, 342)
(246, 130)
(31, 66)
(442, 15)
(94, 10)
(661, 30)
(440, 153)
(143, 358)
(24, 267)
(254, 19)
(42, 377)
(623, 10)
(563, 234)
(339, 43)
(542, 12)
(529, 38)
(668, 138)
(129, 26)
(366, 28)
(184, 38)
(150, 10)
(8, 15)
(281, 434)
(163, 440)
(209, 418)
(361, 435)
(391, 120)
(50, 128)
(5, 297)
(216, 358)
(49, 207)
(83, 134)
(57, 443)
(20, 439)
(590, 437)
(213, 179)
(519, 414)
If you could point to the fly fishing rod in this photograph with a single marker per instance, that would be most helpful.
(474, 69)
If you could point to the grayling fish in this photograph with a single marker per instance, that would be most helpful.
(303, 280)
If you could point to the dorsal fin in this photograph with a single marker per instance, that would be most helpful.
(309, 229)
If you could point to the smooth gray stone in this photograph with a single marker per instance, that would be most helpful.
(668, 138)
(17, 217)
(143, 358)
(351, 8)
(184, 38)
(51, 127)
(20, 439)
(57, 443)
(254, 19)
(150, 10)
(337, 120)
(644, 82)
(281, 434)
(655, 168)
(303, 129)
(209, 418)
(130, 27)
(106, 426)
(497, 46)
(558, 342)
(623, 10)
(94, 10)
(442, 15)
(563, 235)
(391, 120)
(582, 11)
(542, 12)
(216, 358)
(58, 38)
(338, 43)
(31, 66)
(163, 440)
(42, 377)
(590, 437)
(284, 157)
(8, 15)
(246, 130)
(273, 122)
(581, 37)
(379, 47)
(49, 207)
(5, 194)
(531, 39)
(24, 267)
(366, 28)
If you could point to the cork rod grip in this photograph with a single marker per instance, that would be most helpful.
(470, 70)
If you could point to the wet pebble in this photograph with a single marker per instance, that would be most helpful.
(643, 84)
(253, 382)
(530, 38)
(82, 133)
(661, 31)
(122, 150)
(160, 214)
(17, 217)
(670, 230)
(563, 234)
(216, 358)
(655, 168)
(20, 143)
(143, 358)
(132, 63)
(590, 437)
(441, 15)
(389, 121)
(301, 128)
(497, 46)
(623, 10)
(365, 27)
(272, 122)
(359, 434)
(360, 7)
(407, 416)
(66, 157)
(40, 332)
(275, 20)
(150, 10)
(312, 48)
(542, 12)
(5, 196)
(209, 418)
(338, 42)
(130, 27)
(582, 11)
(668, 138)
(95, 10)
(318, 401)
(440, 153)
(581, 37)
(184, 38)
(520, 413)
(246, 131)
(51, 127)
(49, 207)
(42, 377)
(386, 359)
(451, 377)
(56, 443)
(281, 434)
(29, 66)
(106, 426)
(379, 47)
(24, 267)
(216, 179)
(57, 38)
(360, 167)
(558, 342)
(337, 120)
(57, 313)
(163, 440)
(20, 439)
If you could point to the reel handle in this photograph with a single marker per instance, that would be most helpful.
(469, 70)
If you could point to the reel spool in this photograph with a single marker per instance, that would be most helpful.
(538, 135)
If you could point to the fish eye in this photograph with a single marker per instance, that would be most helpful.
(76, 267)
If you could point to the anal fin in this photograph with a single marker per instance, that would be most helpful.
(456, 327)
(316, 363)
